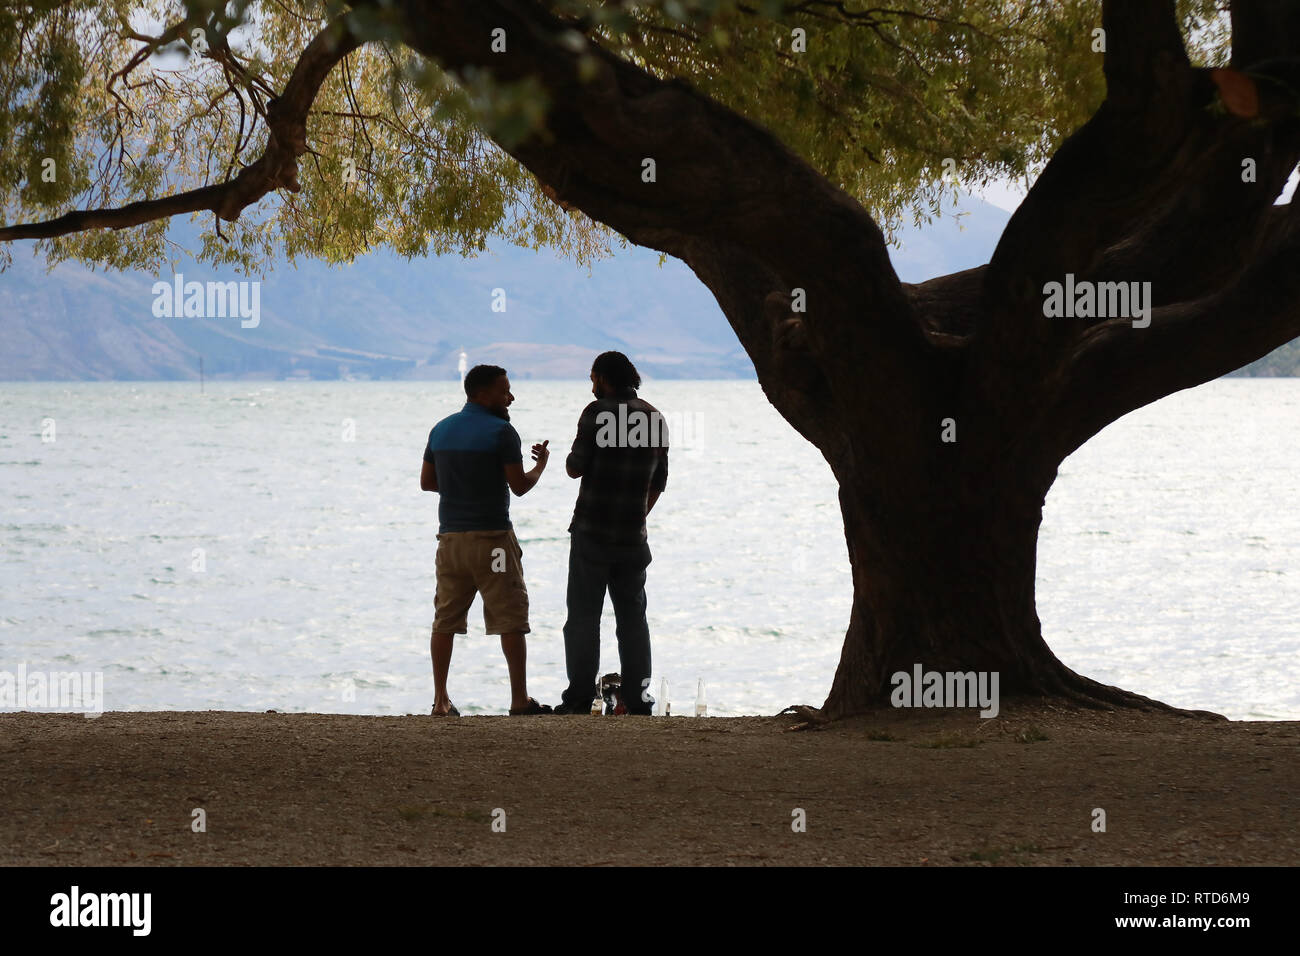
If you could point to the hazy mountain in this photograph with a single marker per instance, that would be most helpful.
(381, 316)
(386, 317)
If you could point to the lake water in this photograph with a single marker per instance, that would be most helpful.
(266, 545)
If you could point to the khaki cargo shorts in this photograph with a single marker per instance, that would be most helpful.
(480, 562)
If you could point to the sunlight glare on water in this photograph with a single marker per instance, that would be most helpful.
(1169, 560)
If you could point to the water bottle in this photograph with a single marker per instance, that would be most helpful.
(597, 702)
(701, 710)
(661, 705)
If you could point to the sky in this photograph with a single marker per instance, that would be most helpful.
(1005, 194)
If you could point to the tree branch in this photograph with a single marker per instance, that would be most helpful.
(1262, 30)
(1112, 169)
(1205, 233)
(1217, 253)
(1196, 237)
(277, 167)
(722, 181)
(1116, 368)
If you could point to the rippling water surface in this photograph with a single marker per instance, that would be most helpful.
(1169, 561)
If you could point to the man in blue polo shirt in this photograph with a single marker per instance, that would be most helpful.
(474, 460)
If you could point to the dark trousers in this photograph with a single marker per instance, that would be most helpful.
(594, 567)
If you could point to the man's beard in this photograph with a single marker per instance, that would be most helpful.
(501, 413)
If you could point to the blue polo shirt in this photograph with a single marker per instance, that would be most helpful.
(469, 451)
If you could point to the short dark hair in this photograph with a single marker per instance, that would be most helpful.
(480, 377)
(617, 369)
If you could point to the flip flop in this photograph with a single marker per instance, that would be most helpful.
(532, 708)
(453, 712)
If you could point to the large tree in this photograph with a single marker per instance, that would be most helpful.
(752, 140)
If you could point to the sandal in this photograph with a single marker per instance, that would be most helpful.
(532, 708)
(453, 712)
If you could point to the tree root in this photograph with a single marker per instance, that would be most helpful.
(1063, 685)
(813, 719)
(1097, 696)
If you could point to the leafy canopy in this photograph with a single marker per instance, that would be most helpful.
(124, 101)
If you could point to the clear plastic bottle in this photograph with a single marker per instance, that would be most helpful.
(701, 709)
(661, 705)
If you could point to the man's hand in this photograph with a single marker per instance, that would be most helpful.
(519, 481)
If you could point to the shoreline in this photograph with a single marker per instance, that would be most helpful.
(898, 788)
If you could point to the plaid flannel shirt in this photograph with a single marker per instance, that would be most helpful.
(620, 465)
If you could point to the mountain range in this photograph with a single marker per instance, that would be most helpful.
(386, 317)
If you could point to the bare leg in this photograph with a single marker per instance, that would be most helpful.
(440, 649)
(515, 649)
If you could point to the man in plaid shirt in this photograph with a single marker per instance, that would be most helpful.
(621, 455)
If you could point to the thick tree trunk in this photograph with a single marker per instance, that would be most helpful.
(945, 579)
